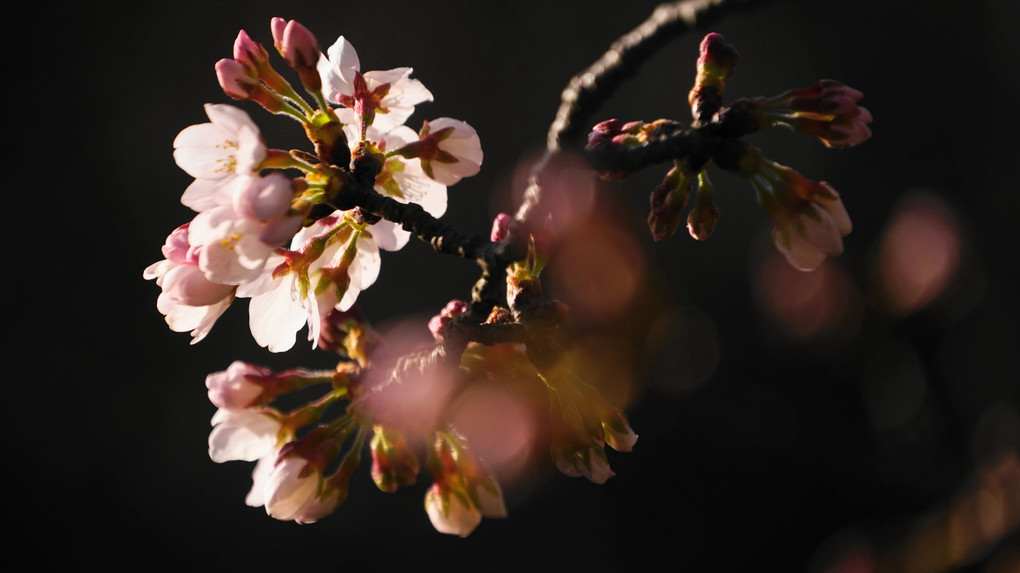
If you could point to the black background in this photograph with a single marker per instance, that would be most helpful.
(768, 457)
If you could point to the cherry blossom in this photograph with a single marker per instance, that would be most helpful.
(215, 153)
(231, 250)
(189, 301)
(383, 98)
(449, 150)
(300, 289)
(400, 178)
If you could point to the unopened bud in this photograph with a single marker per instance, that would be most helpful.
(667, 200)
(299, 49)
(500, 227)
(237, 80)
(703, 217)
(249, 52)
(393, 463)
(715, 64)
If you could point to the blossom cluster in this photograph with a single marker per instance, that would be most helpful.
(300, 235)
(266, 227)
(288, 231)
(809, 219)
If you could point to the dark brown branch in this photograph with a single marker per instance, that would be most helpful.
(587, 90)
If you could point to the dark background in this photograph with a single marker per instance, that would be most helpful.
(808, 432)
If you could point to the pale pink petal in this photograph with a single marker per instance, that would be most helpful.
(287, 492)
(389, 236)
(241, 435)
(276, 315)
(260, 479)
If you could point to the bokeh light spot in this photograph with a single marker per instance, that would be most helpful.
(918, 254)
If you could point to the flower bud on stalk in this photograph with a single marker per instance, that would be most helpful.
(254, 56)
(667, 200)
(827, 110)
(299, 49)
(240, 83)
(715, 64)
(393, 463)
(703, 217)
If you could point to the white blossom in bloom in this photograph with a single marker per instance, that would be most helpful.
(454, 150)
(189, 301)
(451, 513)
(245, 435)
(400, 178)
(215, 153)
(286, 298)
(387, 96)
(232, 248)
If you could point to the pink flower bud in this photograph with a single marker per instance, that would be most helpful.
(279, 231)
(450, 312)
(716, 57)
(177, 249)
(249, 52)
(237, 387)
(264, 198)
(277, 26)
(187, 285)
(299, 49)
(500, 227)
(827, 110)
(237, 80)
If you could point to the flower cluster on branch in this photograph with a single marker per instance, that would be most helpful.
(300, 233)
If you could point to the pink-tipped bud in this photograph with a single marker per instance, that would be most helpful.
(614, 131)
(827, 110)
(500, 227)
(277, 26)
(237, 80)
(239, 386)
(299, 49)
(715, 64)
(279, 231)
(264, 198)
(450, 312)
(249, 52)
(716, 57)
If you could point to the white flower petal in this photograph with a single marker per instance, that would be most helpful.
(277, 314)
(241, 435)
